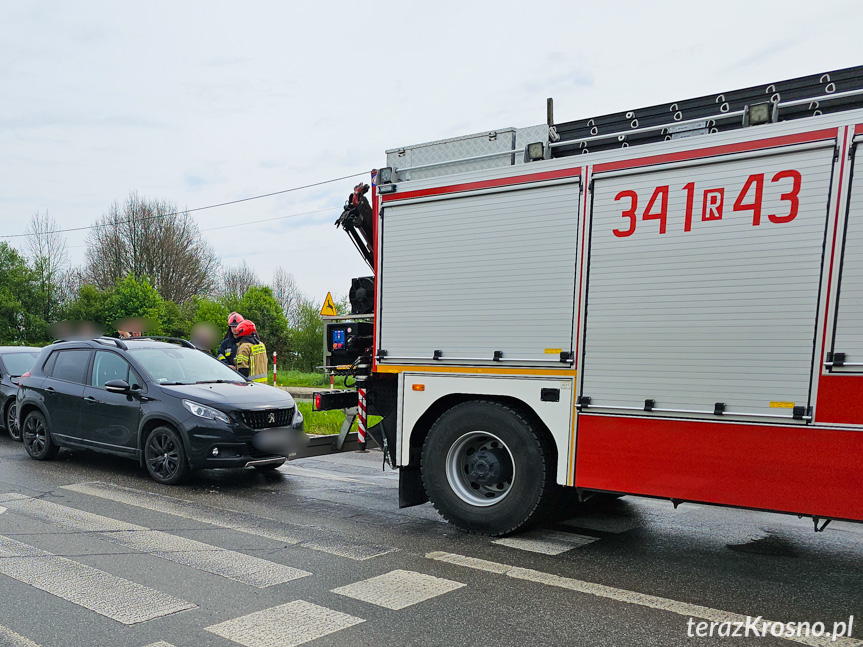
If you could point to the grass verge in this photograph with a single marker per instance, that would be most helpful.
(298, 378)
(326, 422)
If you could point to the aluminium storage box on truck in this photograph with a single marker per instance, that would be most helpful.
(664, 302)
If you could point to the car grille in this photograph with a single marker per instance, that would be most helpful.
(269, 418)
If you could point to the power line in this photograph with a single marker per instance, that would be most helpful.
(210, 206)
(251, 222)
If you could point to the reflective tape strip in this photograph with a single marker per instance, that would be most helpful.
(257, 349)
(258, 377)
(361, 418)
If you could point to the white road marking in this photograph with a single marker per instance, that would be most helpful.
(398, 589)
(313, 538)
(310, 472)
(609, 524)
(547, 542)
(625, 596)
(286, 625)
(161, 643)
(9, 638)
(110, 596)
(2, 509)
(195, 554)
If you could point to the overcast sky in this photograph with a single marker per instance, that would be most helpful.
(206, 102)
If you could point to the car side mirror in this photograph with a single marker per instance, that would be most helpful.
(117, 386)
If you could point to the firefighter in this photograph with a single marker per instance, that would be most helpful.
(251, 353)
(228, 347)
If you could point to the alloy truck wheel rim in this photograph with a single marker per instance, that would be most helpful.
(480, 469)
(12, 421)
(163, 456)
(35, 435)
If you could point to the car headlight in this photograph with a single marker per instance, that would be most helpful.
(202, 411)
(297, 422)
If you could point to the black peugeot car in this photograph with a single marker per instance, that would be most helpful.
(14, 362)
(164, 403)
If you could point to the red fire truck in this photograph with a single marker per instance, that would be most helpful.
(664, 302)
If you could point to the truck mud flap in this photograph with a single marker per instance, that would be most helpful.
(411, 488)
(384, 434)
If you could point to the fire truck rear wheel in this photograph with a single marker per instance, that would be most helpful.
(487, 469)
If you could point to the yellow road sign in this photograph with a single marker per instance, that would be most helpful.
(329, 308)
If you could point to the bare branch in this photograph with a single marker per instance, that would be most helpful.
(46, 249)
(141, 237)
(287, 293)
(236, 280)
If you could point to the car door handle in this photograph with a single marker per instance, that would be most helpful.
(50, 390)
(90, 400)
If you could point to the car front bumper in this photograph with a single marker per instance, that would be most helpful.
(213, 446)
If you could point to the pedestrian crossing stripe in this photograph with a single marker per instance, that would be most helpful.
(546, 542)
(398, 589)
(304, 536)
(230, 564)
(286, 625)
(108, 595)
(9, 638)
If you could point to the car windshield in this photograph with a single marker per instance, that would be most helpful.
(19, 363)
(181, 365)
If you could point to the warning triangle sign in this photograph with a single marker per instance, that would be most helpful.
(329, 308)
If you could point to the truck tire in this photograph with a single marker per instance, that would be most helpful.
(487, 469)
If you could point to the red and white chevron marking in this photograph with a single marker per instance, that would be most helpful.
(361, 417)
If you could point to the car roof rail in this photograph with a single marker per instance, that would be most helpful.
(117, 342)
(99, 340)
(184, 342)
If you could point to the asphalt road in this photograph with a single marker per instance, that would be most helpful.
(94, 553)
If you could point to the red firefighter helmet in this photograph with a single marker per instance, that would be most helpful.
(246, 327)
(235, 318)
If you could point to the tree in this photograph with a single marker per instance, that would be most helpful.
(176, 319)
(213, 311)
(91, 305)
(151, 239)
(20, 322)
(234, 282)
(132, 298)
(287, 293)
(307, 345)
(49, 259)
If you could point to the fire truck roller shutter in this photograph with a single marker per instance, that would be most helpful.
(472, 274)
(848, 338)
(703, 285)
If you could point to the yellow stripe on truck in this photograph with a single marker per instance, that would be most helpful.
(478, 370)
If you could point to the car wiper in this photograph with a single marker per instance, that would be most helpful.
(175, 383)
(218, 382)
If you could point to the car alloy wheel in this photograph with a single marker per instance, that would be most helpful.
(12, 421)
(165, 457)
(37, 438)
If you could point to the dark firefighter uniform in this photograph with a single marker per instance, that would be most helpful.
(228, 349)
(251, 358)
